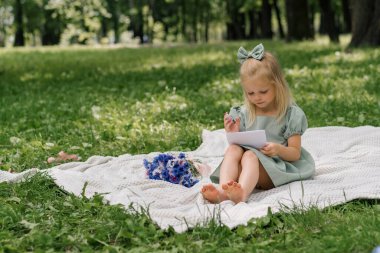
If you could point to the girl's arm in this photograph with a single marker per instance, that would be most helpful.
(290, 153)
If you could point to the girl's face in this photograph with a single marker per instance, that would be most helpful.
(260, 92)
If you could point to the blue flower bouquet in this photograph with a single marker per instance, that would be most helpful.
(176, 170)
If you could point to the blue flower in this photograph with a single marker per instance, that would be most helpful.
(157, 176)
(176, 170)
(146, 164)
(165, 174)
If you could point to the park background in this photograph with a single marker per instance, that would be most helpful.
(114, 77)
(108, 22)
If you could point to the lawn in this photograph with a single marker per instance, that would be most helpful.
(112, 101)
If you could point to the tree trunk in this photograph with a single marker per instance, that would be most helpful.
(297, 16)
(51, 29)
(253, 24)
(311, 11)
(365, 23)
(229, 26)
(166, 31)
(236, 22)
(137, 20)
(266, 20)
(195, 21)
(140, 22)
(151, 13)
(240, 25)
(278, 17)
(2, 40)
(114, 19)
(322, 24)
(206, 24)
(346, 16)
(329, 20)
(184, 20)
(19, 22)
(103, 27)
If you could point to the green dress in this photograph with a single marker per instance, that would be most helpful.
(280, 171)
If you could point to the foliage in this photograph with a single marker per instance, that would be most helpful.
(51, 22)
(103, 21)
(117, 101)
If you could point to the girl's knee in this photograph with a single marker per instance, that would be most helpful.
(250, 155)
(234, 149)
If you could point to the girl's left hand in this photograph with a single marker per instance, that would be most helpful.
(271, 149)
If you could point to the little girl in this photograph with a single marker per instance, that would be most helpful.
(268, 105)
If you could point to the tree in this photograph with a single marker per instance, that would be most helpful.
(6, 20)
(297, 16)
(205, 18)
(34, 19)
(235, 21)
(161, 13)
(194, 20)
(328, 20)
(278, 18)
(19, 23)
(266, 19)
(52, 27)
(91, 21)
(113, 10)
(346, 16)
(137, 19)
(365, 23)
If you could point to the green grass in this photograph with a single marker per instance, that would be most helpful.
(117, 101)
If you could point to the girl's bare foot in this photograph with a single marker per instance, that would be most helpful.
(234, 191)
(212, 194)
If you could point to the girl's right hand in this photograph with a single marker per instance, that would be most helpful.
(230, 125)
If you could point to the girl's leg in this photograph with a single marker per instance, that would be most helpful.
(265, 182)
(229, 170)
(249, 176)
(252, 174)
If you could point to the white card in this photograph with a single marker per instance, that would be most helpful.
(255, 138)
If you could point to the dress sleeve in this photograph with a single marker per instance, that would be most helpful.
(296, 122)
(238, 111)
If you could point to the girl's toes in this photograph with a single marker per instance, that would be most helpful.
(204, 188)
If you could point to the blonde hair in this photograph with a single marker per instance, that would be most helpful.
(269, 68)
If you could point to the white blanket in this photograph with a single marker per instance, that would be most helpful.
(347, 167)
